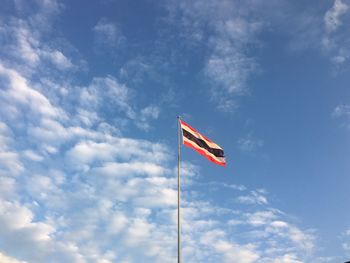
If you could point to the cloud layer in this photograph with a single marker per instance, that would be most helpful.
(76, 187)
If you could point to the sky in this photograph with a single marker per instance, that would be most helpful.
(90, 92)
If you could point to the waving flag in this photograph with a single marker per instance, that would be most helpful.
(201, 144)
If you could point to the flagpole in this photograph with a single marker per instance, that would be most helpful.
(178, 195)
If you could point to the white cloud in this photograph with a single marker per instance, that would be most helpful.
(10, 163)
(255, 197)
(46, 130)
(150, 112)
(228, 250)
(343, 112)
(88, 152)
(7, 187)
(19, 230)
(19, 92)
(332, 17)
(242, 254)
(217, 185)
(117, 223)
(286, 241)
(288, 258)
(46, 12)
(129, 169)
(58, 59)
(89, 118)
(261, 218)
(229, 64)
(346, 241)
(334, 41)
(6, 259)
(22, 35)
(104, 207)
(108, 34)
(33, 155)
(108, 95)
(5, 136)
(27, 45)
(109, 198)
(249, 143)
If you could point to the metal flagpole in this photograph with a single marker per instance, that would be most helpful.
(178, 195)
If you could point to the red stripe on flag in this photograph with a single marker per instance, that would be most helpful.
(202, 152)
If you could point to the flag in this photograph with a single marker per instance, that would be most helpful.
(201, 144)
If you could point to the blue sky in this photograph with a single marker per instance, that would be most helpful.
(89, 94)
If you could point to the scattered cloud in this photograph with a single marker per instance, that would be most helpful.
(108, 34)
(217, 185)
(107, 189)
(22, 39)
(25, 46)
(254, 198)
(346, 241)
(334, 41)
(19, 92)
(9, 162)
(249, 143)
(332, 17)
(74, 188)
(32, 155)
(343, 112)
(58, 59)
(229, 65)
(229, 34)
(108, 96)
(6, 259)
(288, 258)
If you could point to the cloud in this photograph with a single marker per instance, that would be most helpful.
(107, 192)
(284, 238)
(334, 40)
(332, 17)
(19, 230)
(49, 129)
(125, 196)
(45, 14)
(7, 187)
(106, 95)
(346, 241)
(22, 34)
(108, 34)
(288, 258)
(19, 92)
(229, 65)
(150, 112)
(249, 143)
(6, 259)
(27, 45)
(10, 163)
(74, 188)
(58, 59)
(342, 112)
(255, 197)
(229, 35)
(32, 155)
(242, 254)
